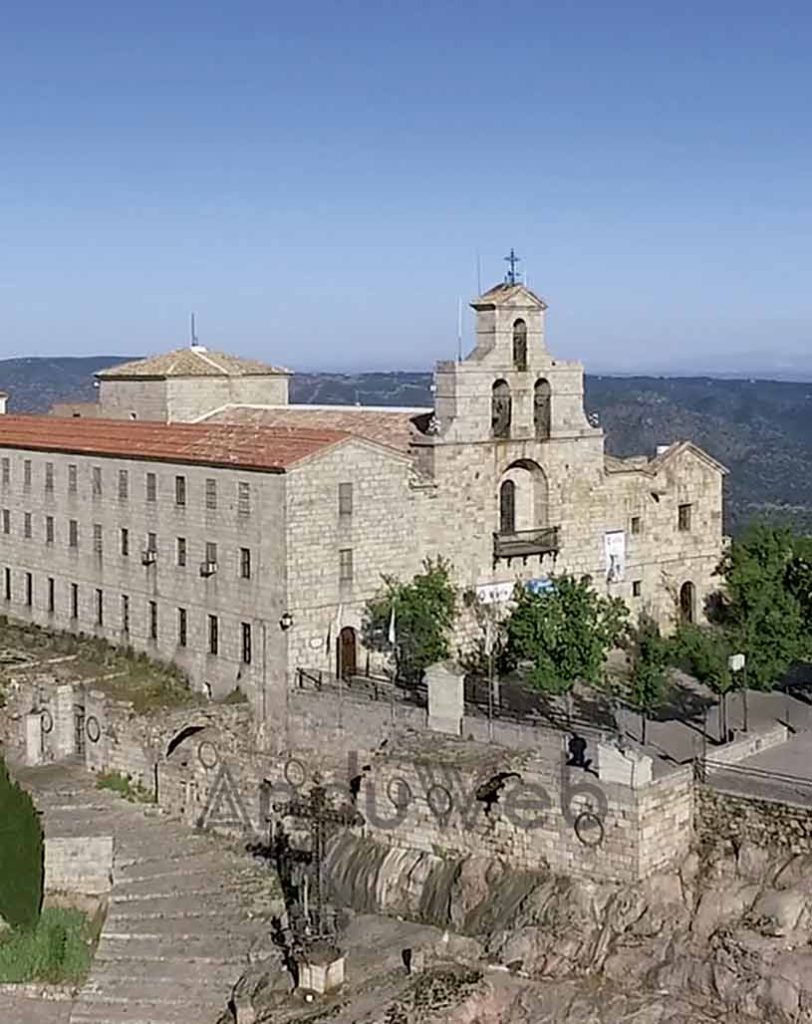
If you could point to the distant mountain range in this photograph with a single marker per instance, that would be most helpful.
(760, 429)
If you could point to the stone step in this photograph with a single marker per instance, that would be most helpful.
(107, 973)
(144, 1011)
(182, 925)
(215, 988)
(125, 946)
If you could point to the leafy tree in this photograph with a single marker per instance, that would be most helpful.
(566, 632)
(648, 655)
(799, 579)
(424, 612)
(21, 855)
(704, 652)
(766, 594)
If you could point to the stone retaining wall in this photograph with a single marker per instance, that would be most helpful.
(723, 817)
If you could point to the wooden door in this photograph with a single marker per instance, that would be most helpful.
(346, 653)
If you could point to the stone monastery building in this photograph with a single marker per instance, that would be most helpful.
(194, 514)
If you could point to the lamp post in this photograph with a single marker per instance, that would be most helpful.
(737, 663)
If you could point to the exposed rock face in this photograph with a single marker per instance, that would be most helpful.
(731, 929)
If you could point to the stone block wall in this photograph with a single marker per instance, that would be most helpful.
(79, 864)
(724, 817)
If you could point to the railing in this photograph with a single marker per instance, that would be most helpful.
(524, 543)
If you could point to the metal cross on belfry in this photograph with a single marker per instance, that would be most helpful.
(512, 277)
(315, 809)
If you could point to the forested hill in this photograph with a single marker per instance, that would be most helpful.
(761, 430)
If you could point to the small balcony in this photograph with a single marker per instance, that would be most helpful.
(525, 543)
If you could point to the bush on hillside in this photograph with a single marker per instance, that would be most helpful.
(21, 855)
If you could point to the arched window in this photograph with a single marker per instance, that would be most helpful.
(687, 601)
(507, 507)
(519, 345)
(500, 409)
(542, 411)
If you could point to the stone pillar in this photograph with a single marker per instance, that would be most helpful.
(33, 738)
(64, 738)
(445, 682)
(625, 767)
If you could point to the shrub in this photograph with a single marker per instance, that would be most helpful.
(57, 951)
(21, 855)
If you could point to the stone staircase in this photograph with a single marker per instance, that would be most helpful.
(186, 914)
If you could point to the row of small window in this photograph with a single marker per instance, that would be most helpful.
(213, 637)
(150, 485)
(181, 547)
(684, 516)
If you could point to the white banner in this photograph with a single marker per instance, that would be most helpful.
(614, 545)
(494, 593)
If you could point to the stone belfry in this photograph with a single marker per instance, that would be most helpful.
(509, 388)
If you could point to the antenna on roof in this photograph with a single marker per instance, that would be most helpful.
(193, 338)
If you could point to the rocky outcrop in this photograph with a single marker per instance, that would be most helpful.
(732, 929)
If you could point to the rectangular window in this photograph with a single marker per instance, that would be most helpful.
(123, 484)
(345, 499)
(71, 479)
(51, 595)
(6, 471)
(27, 475)
(181, 627)
(6, 521)
(637, 588)
(74, 600)
(96, 481)
(152, 487)
(636, 524)
(243, 498)
(73, 533)
(180, 490)
(211, 552)
(214, 638)
(49, 476)
(125, 613)
(345, 565)
(684, 518)
(99, 607)
(152, 542)
(246, 643)
(97, 539)
(181, 551)
(211, 495)
(29, 589)
(245, 563)
(153, 620)
(49, 529)
(125, 542)
(7, 582)
(27, 525)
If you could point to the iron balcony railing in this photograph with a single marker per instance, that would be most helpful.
(525, 543)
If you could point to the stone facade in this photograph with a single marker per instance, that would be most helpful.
(508, 480)
(723, 817)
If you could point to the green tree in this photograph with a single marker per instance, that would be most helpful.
(763, 610)
(704, 652)
(566, 632)
(21, 855)
(424, 613)
(648, 654)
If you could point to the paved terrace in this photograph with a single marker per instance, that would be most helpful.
(186, 913)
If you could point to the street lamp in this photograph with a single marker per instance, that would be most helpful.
(737, 663)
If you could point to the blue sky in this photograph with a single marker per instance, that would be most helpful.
(316, 180)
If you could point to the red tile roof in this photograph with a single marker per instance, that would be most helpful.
(274, 449)
(390, 427)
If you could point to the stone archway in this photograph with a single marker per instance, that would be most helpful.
(523, 497)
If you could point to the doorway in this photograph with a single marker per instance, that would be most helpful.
(346, 653)
(687, 602)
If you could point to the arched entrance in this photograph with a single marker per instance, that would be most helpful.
(687, 601)
(346, 653)
(523, 497)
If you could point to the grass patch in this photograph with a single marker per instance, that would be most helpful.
(118, 671)
(57, 951)
(125, 787)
